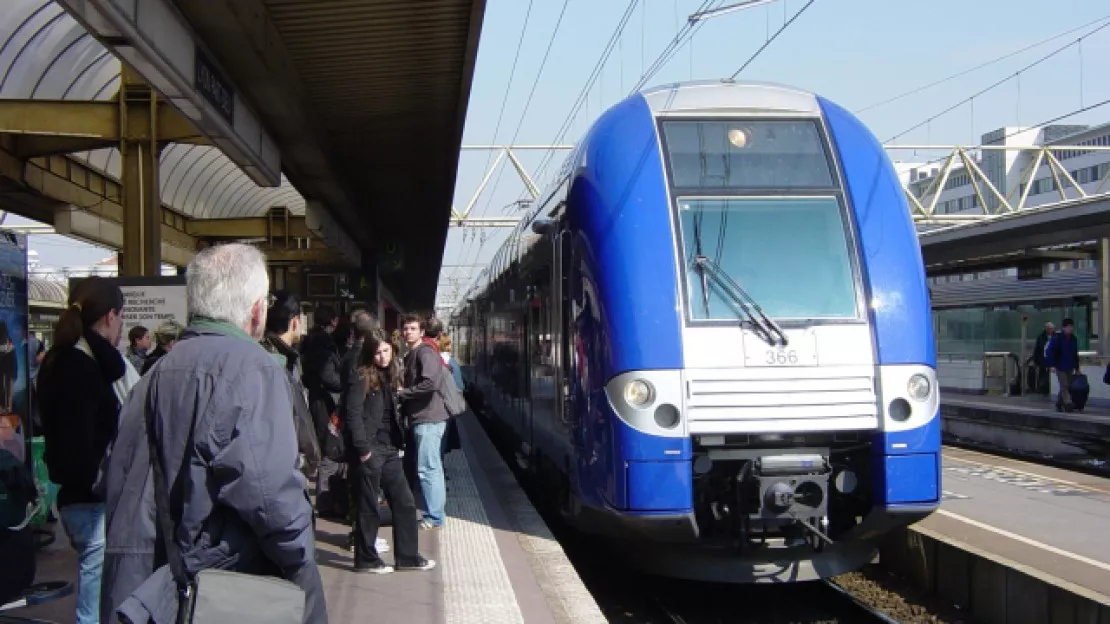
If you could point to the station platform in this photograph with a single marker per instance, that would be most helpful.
(1049, 522)
(1038, 404)
(1027, 424)
(497, 562)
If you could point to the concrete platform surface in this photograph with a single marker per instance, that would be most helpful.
(497, 562)
(1050, 520)
(1039, 405)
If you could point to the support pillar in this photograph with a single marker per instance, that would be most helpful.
(142, 202)
(1104, 297)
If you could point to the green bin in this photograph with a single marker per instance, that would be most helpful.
(48, 491)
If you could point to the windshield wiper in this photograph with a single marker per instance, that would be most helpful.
(764, 326)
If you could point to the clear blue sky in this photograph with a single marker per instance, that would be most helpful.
(856, 52)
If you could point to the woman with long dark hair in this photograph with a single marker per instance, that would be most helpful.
(83, 382)
(377, 438)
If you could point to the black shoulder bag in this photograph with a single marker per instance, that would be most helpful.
(218, 596)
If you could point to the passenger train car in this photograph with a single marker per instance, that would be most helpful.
(712, 339)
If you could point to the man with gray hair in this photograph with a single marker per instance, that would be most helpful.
(222, 418)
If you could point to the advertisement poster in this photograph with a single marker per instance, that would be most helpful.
(14, 399)
(149, 301)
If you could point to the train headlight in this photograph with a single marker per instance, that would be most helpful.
(639, 393)
(919, 387)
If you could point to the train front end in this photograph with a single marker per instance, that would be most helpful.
(753, 294)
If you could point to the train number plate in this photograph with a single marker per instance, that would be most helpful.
(801, 351)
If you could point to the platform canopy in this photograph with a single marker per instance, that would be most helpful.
(363, 101)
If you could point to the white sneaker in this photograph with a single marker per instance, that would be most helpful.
(381, 545)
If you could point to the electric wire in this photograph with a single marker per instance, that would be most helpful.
(580, 100)
(965, 72)
(527, 105)
(998, 83)
(505, 98)
(766, 44)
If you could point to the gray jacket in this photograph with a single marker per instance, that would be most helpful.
(420, 400)
(223, 417)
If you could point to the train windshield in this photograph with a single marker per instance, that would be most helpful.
(758, 199)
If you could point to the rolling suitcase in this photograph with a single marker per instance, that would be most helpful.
(1080, 389)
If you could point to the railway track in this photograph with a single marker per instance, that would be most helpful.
(809, 603)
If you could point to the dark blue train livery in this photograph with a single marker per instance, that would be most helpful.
(711, 337)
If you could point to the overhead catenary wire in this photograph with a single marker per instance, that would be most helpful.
(1000, 140)
(531, 94)
(464, 253)
(778, 32)
(661, 60)
(998, 83)
(580, 100)
(505, 98)
(983, 65)
(685, 32)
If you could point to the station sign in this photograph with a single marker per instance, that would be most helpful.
(148, 301)
(208, 82)
(159, 43)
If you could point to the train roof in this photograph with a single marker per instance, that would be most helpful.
(712, 96)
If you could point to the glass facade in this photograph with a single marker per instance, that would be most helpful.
(974, 331)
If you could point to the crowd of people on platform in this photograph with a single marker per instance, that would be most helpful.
(228, 420)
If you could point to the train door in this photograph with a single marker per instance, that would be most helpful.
(568, 355)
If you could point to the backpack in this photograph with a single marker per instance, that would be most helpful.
(452, 397)
(18, 494)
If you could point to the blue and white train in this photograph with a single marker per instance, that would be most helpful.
(712, 337)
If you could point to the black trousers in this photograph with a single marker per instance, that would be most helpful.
(384, 473)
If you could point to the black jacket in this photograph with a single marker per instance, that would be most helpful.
(80, 414)
(348, 366)
(366, 419)
(307, 443)
(152, 359)
(320, 363)
(1038, 349)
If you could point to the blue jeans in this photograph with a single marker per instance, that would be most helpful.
(84, 524)
(429, 468)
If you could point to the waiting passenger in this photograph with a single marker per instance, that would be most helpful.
(378, 438)
(283, 333)
(445, 352)
(220, 413)
(427, 417)
(165, 337)
(320, 363)
(138, 345)
(451, 439)
(1062, 357)
(364, 323)
(83, 381)
(1040, 383)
